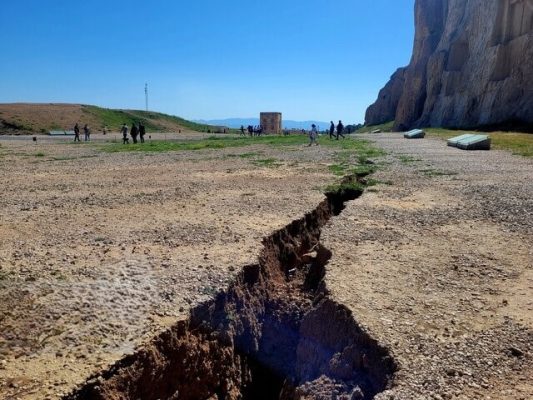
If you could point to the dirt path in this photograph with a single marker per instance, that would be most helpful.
(438, 265)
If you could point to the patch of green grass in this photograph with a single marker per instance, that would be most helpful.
(244, 155)
(353, 157)
(344, 187)
(385, 127)
(408, 159)
(153, 121)
(165, 146)
(363, 169)
(515, 142)
(352, 162)
(434, 172)
(361, 148)
(40, 154)
(249, 155)
(62, 158)
(338, 169)
(267, 162)
(204, 144)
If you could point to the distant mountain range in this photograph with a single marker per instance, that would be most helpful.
(237, 122)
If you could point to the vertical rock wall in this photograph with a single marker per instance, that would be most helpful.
(472, 66)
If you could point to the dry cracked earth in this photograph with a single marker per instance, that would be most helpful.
(100, 253)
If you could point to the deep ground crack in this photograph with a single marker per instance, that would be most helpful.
(275, 333)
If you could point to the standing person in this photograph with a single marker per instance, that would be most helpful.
(242, 130)
(87, 133)
(124, 131)
(142, 131)
(331, 130)
(134, 132)
(313, 135)
(77, 133)
(340, 129)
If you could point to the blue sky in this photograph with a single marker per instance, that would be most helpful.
(205, 59)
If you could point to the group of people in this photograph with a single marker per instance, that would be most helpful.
(339, 129)
(252, 130)
(86, 132)
(136, 130)
(334, 132)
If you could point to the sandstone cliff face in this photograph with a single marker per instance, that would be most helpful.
(472, 66)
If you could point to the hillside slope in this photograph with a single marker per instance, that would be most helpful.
(21, 118)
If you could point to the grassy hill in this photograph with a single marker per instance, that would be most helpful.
(41, 118)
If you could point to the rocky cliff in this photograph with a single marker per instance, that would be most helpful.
(472, 66)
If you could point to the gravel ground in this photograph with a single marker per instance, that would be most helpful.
(437, 264)
(98, 251)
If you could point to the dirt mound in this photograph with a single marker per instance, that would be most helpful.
(21, 118)
(38, 118)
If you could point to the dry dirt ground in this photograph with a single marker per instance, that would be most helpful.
(99, 251)
(438, 266)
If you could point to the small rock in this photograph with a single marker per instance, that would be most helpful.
(516, 352)
(357, 394)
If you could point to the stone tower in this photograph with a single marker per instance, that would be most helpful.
(271, 122)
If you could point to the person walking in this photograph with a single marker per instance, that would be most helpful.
(124, 131)
(77, 133)
(340, 129)
(331, 130)
(142, 131)
(134, 131)
(313, 135)
(242, 130)
(87, 133)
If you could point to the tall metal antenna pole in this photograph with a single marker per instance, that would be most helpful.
(146, 95)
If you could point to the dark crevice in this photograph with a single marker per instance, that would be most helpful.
(273, 334)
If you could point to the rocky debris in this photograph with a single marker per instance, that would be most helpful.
(471, 67)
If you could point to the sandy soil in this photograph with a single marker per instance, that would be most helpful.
(100, 251)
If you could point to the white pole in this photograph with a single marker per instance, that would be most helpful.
(146, 95)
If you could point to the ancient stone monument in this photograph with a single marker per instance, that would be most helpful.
(472, 66)
(271, 122)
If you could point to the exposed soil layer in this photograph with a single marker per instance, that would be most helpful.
(273, 334)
